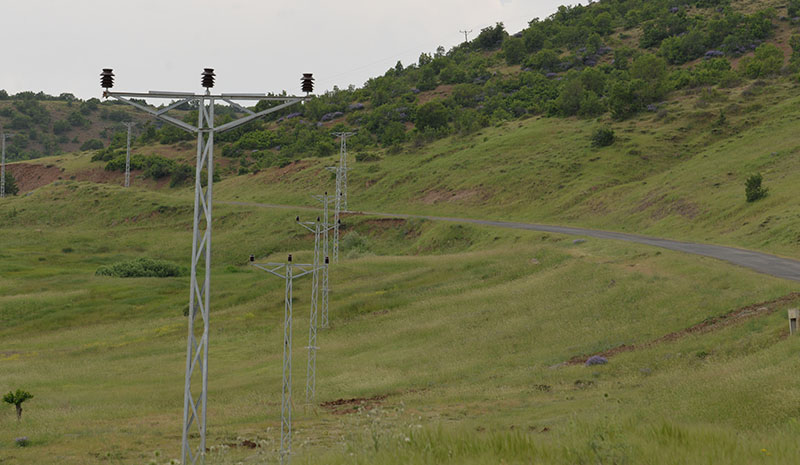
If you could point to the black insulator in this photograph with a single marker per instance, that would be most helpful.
(290, 258)
(308, 82)
(252, 258)
(208, 77)
(297, 218)
(327, 260)
(340, 221)
(326, 192)
(317, 219)
(107, 78)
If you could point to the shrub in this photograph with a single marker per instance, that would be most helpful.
(432, 115)
(11, 184)
(22, 442)
(92, 144)
(355, 244)
(158, 167)
(768, 61)
(603, 137)
(142, 268)
(61, 126)
(753, 189)
(180, 175)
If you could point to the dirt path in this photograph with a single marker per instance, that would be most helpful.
(772, 265)
(705, 326)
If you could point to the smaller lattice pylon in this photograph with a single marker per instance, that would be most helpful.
(289, 272)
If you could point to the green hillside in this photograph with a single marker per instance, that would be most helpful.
(449, 344)
(451, 335)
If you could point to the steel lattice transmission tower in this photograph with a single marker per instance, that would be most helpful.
(3, 138)
(326, 228)
(196, 381)
(128, 125)
(289, 272)
(341, 188)
(317, 228)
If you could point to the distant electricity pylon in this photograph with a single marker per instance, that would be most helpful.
(466, 33)
(3, 138)
(129, 125)
(341, 189)
(317, 228)
(288, 271)
(194, 405)
(326, 200)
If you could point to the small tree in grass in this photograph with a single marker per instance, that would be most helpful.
(17, 398)
(603, 137)
(11, 184)
(753, 189)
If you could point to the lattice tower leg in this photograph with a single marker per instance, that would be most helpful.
(338, 204)
(343, 167)
(311, 370)
(286, 388)
(196, 381)
(325, 279)
(128, 159)
(3, 167)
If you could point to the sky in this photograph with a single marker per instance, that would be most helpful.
(254, 46)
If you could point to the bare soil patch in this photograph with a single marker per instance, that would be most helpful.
(709, 324)
(440, 92)
(464, 195)
(345, 406)
(31, 176)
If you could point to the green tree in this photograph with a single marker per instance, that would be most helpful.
(753, 189)
(768, 61)
(652, 71)
(16, 399)
(432, 115)
(544, 60)
(11, 184)
(514, 50)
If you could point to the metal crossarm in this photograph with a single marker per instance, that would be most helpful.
(289, 272)
(193, 446)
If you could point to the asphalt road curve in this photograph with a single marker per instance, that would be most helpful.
(761, 262)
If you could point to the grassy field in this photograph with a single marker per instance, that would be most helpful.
(451, 339)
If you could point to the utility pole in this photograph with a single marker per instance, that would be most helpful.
(129, 125)
(289, 272)
(326, 200)
(196, 381)
(3, 137)
(465, 32)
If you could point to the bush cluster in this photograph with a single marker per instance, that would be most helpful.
(142, 268)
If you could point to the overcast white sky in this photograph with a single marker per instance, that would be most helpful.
(254, 45)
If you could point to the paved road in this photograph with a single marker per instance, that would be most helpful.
(761, 262)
